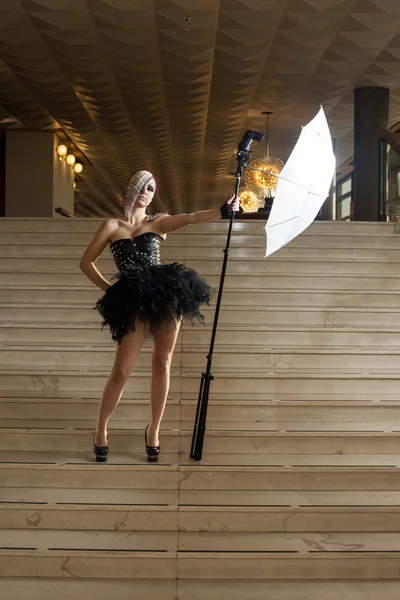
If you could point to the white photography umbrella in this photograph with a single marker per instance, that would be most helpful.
(303, 184)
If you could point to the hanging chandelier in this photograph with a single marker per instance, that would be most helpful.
(261, 174)
(249, 201)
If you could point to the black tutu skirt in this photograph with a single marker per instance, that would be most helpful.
(153, 294)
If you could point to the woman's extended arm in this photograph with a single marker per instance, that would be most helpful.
(170, 223)
(93, 252)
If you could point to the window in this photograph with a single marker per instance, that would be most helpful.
(343, 199)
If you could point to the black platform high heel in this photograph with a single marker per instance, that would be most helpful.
(152, 452)
(100, 452)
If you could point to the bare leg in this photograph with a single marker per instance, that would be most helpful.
(125, 357)
(164, 343)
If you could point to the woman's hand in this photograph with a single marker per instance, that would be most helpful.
(93, 252)
(230, 206)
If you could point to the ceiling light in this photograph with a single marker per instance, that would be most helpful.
(62, 150)
(78, 168)
(71, 159)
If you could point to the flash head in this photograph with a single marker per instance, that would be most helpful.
(248, 137)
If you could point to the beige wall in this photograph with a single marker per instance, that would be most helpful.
(36, 181)
(63, 182)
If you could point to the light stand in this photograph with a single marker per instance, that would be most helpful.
(196, 451)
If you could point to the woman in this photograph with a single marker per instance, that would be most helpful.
(148, 298)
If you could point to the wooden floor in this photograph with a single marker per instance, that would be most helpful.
(298, 493)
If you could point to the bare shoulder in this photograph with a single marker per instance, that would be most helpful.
(106, 230)
(157, 217)
(168, 223)
(157, 221)
(110, 225)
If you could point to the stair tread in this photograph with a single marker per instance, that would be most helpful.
(14, 459)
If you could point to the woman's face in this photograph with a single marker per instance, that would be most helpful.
(147, 193)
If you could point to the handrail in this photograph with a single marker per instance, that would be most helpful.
(347, 167)
(393, 139)
(64, 212)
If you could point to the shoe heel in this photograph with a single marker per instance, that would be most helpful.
(100, 452)
(152, 452)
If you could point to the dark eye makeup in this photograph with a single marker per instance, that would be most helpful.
(150, 188)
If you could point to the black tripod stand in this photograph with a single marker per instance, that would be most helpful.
(243, 156)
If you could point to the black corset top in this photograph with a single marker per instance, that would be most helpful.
(144, 249)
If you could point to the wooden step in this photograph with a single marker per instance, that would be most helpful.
(118, 541)
(150, 540)
(196, 477)
(94, 518)
(197, 589)
(135, 456)
(143, 476)
(73, 245)
(130, 413)
(259, 566)
(74, 413)
(288, 307)
(89, 224)
(47, 264)
(265, 499)
(67, 588)
(272, 319)
(78, 563)
(207, 566)
(243, 361)
(249, 283)
(368, 444)
(90, 383)
(87, 382)
(298, 492)
(186, 519)
(289, 414)
(247, 338)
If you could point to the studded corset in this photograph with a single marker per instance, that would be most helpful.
(144, 250)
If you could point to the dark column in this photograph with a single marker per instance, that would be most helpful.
(371, 113)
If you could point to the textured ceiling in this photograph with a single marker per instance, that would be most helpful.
(170, 86)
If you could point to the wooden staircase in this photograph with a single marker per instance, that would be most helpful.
(298, 493)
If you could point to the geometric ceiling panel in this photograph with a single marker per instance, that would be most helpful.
(171, 85)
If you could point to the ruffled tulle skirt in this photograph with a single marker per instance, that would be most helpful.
(153, 295)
